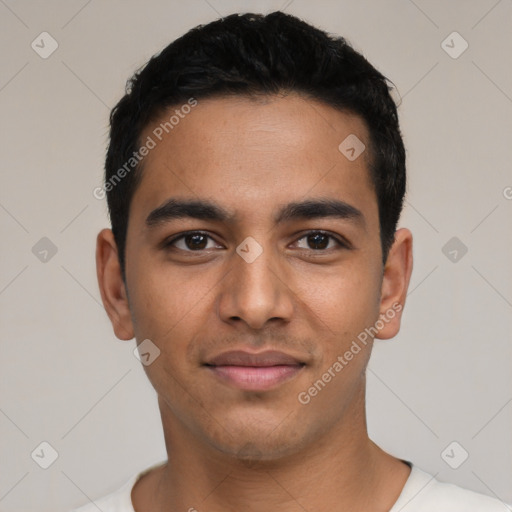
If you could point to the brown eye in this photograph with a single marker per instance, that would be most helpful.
(319, 240)
(192, 241)
(195, 242)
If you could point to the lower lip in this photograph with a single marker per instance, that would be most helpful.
(252, 378)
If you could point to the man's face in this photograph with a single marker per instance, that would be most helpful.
(315, 286)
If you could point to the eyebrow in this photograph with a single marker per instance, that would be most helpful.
(208, 210)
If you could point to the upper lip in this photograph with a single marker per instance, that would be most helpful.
(243, 358)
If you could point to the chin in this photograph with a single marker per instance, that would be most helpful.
(253, 442)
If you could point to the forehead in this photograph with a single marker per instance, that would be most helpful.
(251, 152)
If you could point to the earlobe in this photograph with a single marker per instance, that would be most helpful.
(112, 286)
(395, 283)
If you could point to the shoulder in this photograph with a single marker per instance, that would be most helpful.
(424, 493)
(119, 500)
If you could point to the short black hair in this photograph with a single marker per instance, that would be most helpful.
(248, 55)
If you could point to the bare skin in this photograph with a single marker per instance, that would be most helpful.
(232, 449)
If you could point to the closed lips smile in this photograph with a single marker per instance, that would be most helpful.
(254, 372)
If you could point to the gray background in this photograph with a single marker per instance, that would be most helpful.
(65, 378)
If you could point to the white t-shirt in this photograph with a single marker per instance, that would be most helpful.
(421, 493)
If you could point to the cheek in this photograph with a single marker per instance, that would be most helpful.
(169, 309)
(165, 303)
(344, 301)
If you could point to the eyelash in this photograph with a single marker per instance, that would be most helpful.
(342, 244)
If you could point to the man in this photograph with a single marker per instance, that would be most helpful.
(255, 177)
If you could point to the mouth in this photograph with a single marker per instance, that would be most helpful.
(254, 371)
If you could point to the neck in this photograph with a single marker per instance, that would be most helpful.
(342, 470)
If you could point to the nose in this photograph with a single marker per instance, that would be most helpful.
(255, 292)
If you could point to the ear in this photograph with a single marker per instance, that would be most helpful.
(395, 282)
(112, 287)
